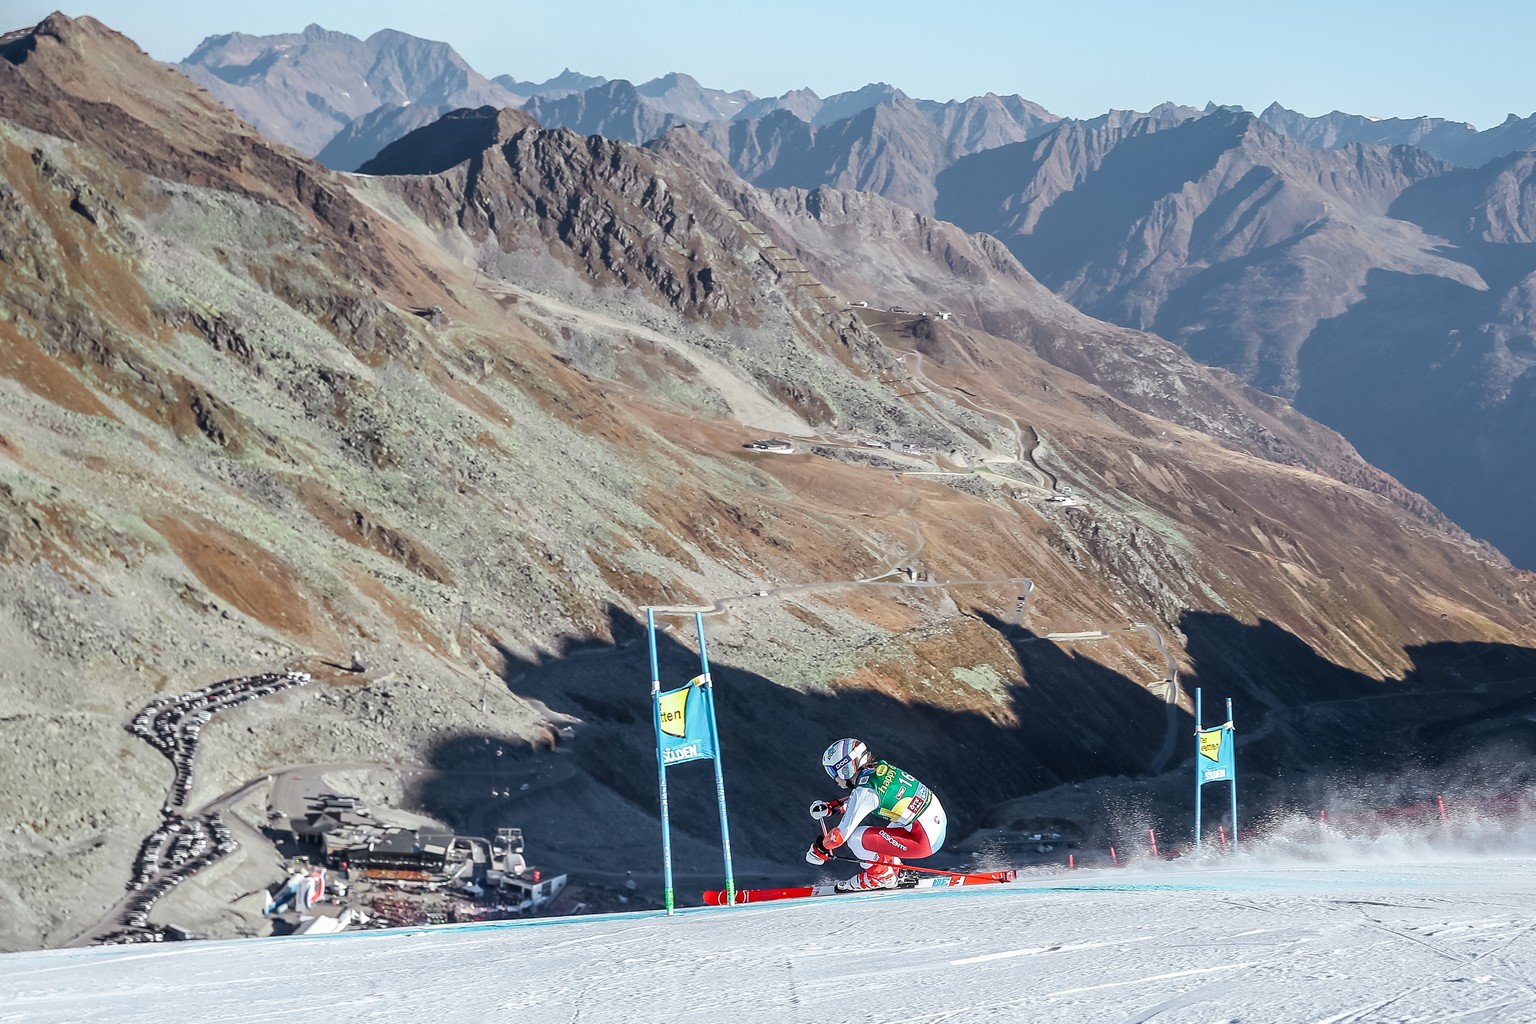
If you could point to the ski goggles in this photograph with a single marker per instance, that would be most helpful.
(841, 771)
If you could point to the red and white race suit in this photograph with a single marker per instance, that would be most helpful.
(915, 825)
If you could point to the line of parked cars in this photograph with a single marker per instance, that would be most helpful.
(183, 845)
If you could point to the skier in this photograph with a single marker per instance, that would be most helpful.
(914, 822)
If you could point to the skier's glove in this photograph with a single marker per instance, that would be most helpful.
(821, 808)
(817, 854)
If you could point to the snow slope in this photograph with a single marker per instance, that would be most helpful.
(1434, 938)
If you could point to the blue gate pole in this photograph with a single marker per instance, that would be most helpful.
(1197, 771)
(661, 765)
(714, 738)
(1232, 735)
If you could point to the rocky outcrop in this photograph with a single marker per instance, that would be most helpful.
(887, 143)
(607, 208)
(614, 110)
(455, 137)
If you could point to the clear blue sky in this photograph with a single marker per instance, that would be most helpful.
(1467, 62)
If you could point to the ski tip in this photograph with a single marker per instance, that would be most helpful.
(717, 897)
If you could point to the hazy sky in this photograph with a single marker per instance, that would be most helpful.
(1466, 62)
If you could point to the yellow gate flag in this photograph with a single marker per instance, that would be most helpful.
(685, 732)
(674, 712)
(1216, 762)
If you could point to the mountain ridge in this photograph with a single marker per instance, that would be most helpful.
(1456, 142)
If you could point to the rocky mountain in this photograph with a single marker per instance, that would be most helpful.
(915, 260)
(812, 109)
(843, 105)
(875, 139)
(563, 84)
(305, 88)
(1120, 220)
(1455, 142)
(803, 103)
(678, 99)
(367, 136)
(441, 145)
(614, 110)
(637, 113)
(894, 148)
(441, 438)
(682, 95)
(1309, 272)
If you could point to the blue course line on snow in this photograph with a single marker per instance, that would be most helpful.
(1131, 887)
(468, 926)
(539, 922)
(937, 892)
(865, 895)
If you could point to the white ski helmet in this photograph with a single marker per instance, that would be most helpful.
(844, 760)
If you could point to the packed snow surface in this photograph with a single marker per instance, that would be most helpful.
(1431, 938)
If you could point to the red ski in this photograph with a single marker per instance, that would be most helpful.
(907, 880)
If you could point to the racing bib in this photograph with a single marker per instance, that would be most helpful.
(902, 797)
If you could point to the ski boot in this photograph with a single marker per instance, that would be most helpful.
(878, 876)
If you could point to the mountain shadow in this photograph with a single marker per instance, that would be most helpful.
(1068, 720)
(1447, 409)
(1305, 724)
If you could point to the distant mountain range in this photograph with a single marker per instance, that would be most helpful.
(1452, 141)
(341, 79)
(1376, 272)
(1255, 316)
